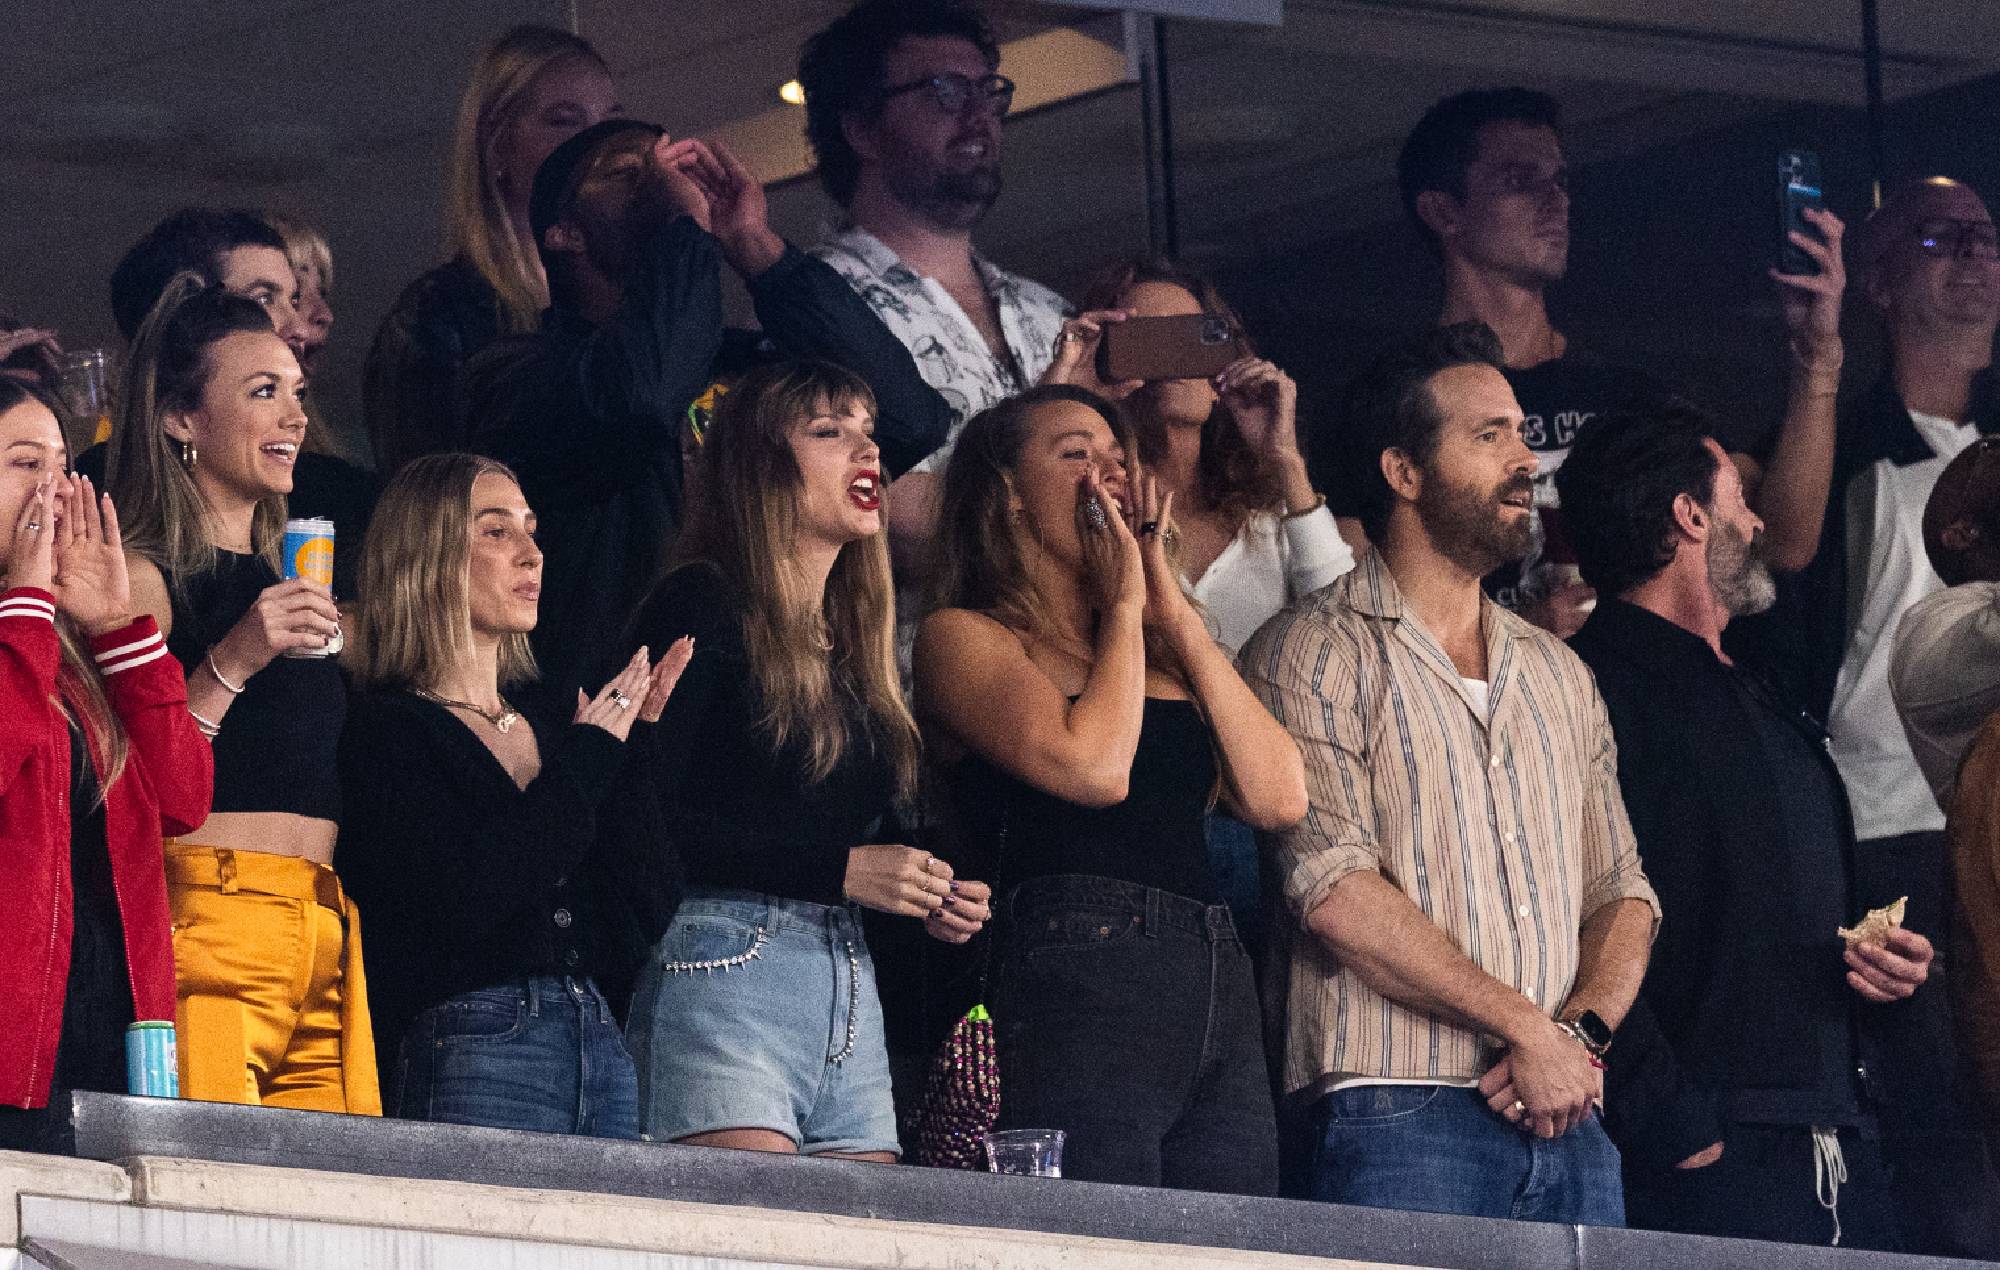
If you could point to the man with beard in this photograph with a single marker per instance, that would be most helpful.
(590, 411)
(903, 109)
(1485, 182)
(1741, 1090)
(1471, 918)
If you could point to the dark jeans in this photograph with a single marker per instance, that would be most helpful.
(543, 1054)
(1437, 1149)
(1945, 1185)
(1127, 1017)
(1764, 1187)
(1234, 862)
(97, 1008)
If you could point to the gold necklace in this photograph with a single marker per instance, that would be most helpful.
(503, 719)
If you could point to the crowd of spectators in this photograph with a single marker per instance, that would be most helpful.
(1558, 816)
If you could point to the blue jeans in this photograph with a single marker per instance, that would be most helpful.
(1435, 1149)
(542, 1054)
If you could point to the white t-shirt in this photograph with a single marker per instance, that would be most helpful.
(1272, 561)
(1477, 689)
(1885, 513)
(1945, 674)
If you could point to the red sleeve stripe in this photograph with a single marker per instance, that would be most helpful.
(137, 653)
(27, 606)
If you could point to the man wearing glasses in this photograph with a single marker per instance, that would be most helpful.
(1929, 265)
(903, 110)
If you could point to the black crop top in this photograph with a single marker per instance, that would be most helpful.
(742, 814)
(1157, 837)
(279, 742)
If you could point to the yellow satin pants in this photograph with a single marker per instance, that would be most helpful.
(273, 1008)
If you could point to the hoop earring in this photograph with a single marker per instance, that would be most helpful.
(188, 455)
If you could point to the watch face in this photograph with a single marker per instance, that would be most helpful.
(1594, 1028)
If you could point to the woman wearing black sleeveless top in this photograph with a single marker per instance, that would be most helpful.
(1089, 721)
(266, 946)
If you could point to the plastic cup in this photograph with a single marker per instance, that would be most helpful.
(1025, 1152)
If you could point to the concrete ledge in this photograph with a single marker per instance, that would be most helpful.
(25, 1174)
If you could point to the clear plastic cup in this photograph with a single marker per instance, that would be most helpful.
(1025, 1152)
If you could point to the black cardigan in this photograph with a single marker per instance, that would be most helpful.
(465, 881)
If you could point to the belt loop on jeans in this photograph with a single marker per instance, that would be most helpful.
(1153, 914)
(534, 989)
(225, 871)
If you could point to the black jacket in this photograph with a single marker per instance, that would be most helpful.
(590, 418)
(1727, 998)
(467, 881)
(410, 388)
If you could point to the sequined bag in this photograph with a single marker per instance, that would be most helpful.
(962, 1092)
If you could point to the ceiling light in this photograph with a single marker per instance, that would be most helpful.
(792, 93)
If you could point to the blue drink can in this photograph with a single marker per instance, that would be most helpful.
(152, 1060)
(308, 553)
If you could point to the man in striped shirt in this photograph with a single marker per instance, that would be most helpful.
(1472, 921)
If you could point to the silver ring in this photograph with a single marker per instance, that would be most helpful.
(34, 526)
(1093, 514)
(1519, 1108)
(619, 699)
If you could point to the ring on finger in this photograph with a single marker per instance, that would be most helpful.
(619, 699)
(1149, 528)
(1093, 514)
(1519, 1108)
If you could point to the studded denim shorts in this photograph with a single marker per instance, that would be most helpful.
(757, 1012)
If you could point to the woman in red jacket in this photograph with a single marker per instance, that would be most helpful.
(98, 760)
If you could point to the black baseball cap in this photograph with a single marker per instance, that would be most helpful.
(555, 180)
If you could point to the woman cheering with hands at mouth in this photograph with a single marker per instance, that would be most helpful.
(1089, 722)
(104, 760)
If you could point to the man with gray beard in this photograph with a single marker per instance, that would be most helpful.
(1740, 1091)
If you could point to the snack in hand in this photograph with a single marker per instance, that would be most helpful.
(1875, 927)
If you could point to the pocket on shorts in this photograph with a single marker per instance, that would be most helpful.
(703, 942)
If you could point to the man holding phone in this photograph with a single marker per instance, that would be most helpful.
(1484, 180)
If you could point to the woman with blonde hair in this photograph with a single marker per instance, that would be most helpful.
(782, 759)
(273, 1009)
(510, 865)
(531, 89)
(102, 758)
(1088, 721)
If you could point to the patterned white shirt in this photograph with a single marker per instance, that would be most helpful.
(951, 354)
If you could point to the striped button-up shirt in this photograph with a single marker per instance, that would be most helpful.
(1505, 827)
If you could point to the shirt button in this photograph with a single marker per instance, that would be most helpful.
(571, 957)
(1494, 762)
(1522, 911)
(1507, 838)
(563, 918)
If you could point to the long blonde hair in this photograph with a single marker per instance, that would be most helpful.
(160, 509)
(414, 619)
(79, 691)
(744, 519)
(476, 222)
(982, 554)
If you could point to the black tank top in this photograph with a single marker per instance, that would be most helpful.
(278, 744)
(1156, 837)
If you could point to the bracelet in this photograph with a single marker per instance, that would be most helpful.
(235, 690)
(1319, 501)
(206, 726)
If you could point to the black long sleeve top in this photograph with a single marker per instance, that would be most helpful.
(590, 419)
(410, 388)
(741, 813)
(464, 880)
(1746, 981)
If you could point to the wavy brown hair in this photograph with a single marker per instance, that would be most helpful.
(79, 691)
(160, 509)
(1230, 477)
(476, 224)
(743, 519)
(414, 619)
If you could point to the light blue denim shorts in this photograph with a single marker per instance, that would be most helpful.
(757, 1012)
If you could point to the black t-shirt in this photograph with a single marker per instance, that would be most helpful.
(1557, 398)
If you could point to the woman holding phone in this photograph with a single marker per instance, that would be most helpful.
(1089, 721)
(104, 759)
(273, 1009)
